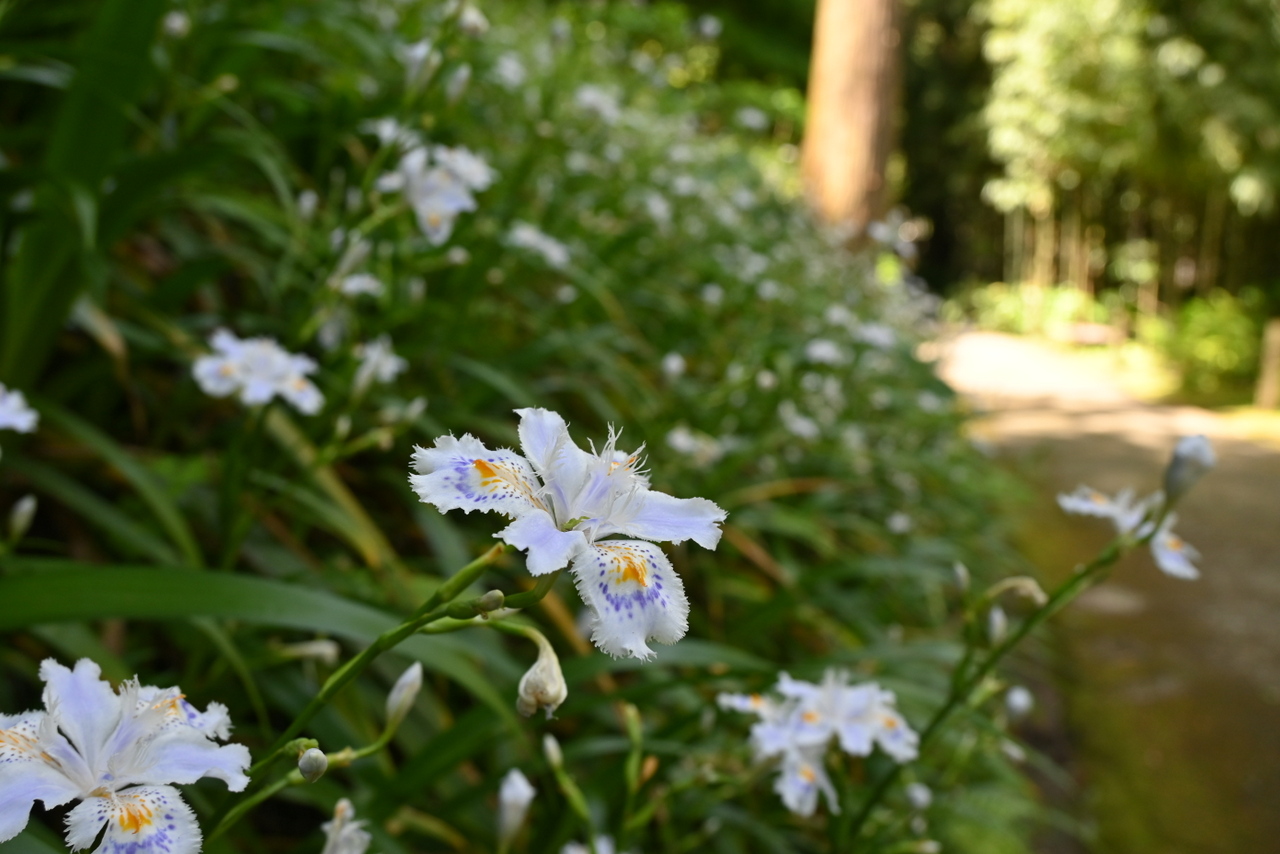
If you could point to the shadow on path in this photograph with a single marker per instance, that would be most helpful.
(1175, 685)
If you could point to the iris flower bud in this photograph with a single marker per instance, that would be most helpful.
(542, 686)
(403, 694)
(312, 764)
(1192, 457)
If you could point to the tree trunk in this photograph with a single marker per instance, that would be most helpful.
(853, 88)
(1267, 395)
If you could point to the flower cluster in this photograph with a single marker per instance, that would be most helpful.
(565, 503)
(799, 726)
(438, 185)
(15, 412)
(257, 369)
(113, 750)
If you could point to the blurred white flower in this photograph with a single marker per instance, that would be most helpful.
(797, 424)
(509, 71)
(673, 365)
(257, 370)
(752, 118)
(115, 751)
(514, 797)
(359, 284)
(769, 290)
(877, 335)
(420, 61)
(390, 131)
(457, 82)
(709, 27)
(308, 201)
(824, 351)
(469, 167)
(344, 835)
(436, 194)
(472, 21)
(525, 236)
(899, 523)
(919, 796)
(659, 209)
(766, 380)
(799, 727)
(603, 845)
(565, 504)
(712, 294)
(377, 362)
(703, 449)
(15, 413)
(177, 24)
(1019, 701)
(1172, 554)
(596, 99)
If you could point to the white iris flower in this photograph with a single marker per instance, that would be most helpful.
(257, 369)
(15, 412)
(113, 750)
(1172, 554)
(798, 728)
(565, 504)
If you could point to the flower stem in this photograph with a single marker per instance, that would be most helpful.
(431, 610)
(963, 687)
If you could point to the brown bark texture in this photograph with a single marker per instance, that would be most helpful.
(852, 102)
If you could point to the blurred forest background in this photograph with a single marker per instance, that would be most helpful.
(1126, 151)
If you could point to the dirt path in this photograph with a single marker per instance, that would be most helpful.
(1176, 685)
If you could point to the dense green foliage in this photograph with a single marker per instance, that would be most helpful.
(229, 176)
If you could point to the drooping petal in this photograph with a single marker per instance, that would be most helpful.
(802, 778)
(26, 775)
(895, 737)
(1086, 501)
(635, 594)
(548, 547)
(85, 708)
(462, 474)
(216, 375)
(1174, 555)
(138, 821)
(665, 518)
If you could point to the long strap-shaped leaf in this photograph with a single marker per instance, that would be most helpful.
(64, 591)
(47, 274)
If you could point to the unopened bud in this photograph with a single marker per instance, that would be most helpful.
(962, 575)
(472, 21)
(20, 516)
(997, 624)
(514, 796)
(542, 686)
(322, 650)
(1192, 457)
(919, 796)
(551, 749)
(1023, 585)
(403, 694)
(312, 764)
(490, 601)
(1019, 701)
